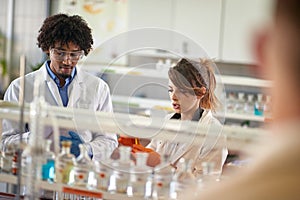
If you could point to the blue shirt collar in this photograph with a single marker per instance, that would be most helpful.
(54, 77)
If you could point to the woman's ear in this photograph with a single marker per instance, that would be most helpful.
(201, 92)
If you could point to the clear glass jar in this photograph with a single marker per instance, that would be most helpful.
(163, 175)
(259, 105)
(139, 175)
(185, 177)
(230, 102)
(48, 165)
(119, 177)
(7, 157)
(209, 175)
(249, 105)
(240, 103)
(268, 108)
(64, 164)
(102, 170)
(84, 169)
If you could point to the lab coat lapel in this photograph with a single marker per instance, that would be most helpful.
(51, 85)
(75, 90)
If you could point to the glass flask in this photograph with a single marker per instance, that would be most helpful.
(185, 177)
(7, 158)
(48, 165)
(268, 108)
(163, 175)
(118, 180)
(230, 102)
(208, 175)
(139, 177)
(259, 105)
(33, 159)
(64, 164)
(240, 103)
(83, 169)
(249, 105)
(102, 170)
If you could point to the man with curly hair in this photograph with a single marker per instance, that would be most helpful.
(65, 39)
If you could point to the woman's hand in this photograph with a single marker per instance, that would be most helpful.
(153, 159)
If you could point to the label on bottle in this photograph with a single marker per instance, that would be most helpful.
(81, 176)
(102, 180)
(63, 174)
(121, 182)
(162, 186)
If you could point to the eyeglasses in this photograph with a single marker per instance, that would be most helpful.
(61, 55)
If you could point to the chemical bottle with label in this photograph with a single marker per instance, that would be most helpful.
(249, 105)
(64, 164)
(103, 169)
(119, 177)
(84, 169)
(138, 177)
(259, 105)
(163, 175)
(48, 165)
(185, 177)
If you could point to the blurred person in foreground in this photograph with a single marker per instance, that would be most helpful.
(275, 172)
(65, 39)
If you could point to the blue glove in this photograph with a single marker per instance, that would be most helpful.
(75, 139)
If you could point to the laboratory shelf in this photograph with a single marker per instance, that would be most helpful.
(165, 105)
(244, 117)
(140, 102)
(155, 73)
(244, 81)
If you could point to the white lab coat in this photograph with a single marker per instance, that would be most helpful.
(85, 91)
(213, 149)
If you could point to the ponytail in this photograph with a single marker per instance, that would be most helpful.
(209, 100)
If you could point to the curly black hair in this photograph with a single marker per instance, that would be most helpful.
(63, 29)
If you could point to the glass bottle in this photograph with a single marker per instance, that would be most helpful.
(26, 158)
(240, 103)
(83, 169)
(7, 159)
(102, 170)
(120, 171)
(268, 108)
(163, 175)
(64, 164)
(208, 175)
(14, 164)
(249, 105)
(185, 177)
(139, 176)
(259, 105)
(48, 166)
(230, 102)
(33, 159)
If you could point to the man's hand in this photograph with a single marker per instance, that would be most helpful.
(75, 139)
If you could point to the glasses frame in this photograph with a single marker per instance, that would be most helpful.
(61, 55)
